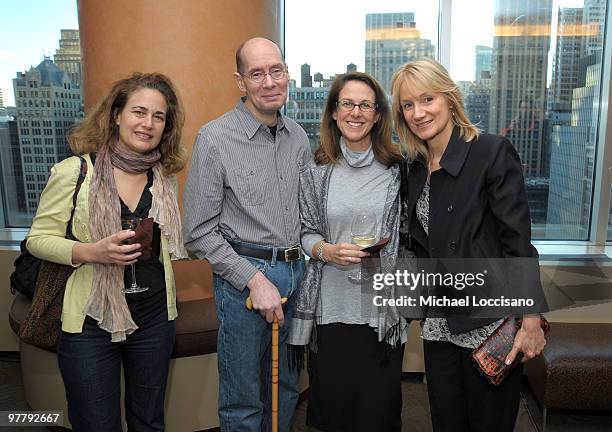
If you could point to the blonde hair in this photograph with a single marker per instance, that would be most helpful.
(429, 75)
(98, 128)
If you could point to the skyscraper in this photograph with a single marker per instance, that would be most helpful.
(1, 100)
(305, 106)
(594, 16)
(482, 61)
(68, 56)
(477, 104)
(13, 191)
(306, 78)
(572, 162)
(570, 43)
(392, 39)
(518, 77)
(573, 143)
(48, 104)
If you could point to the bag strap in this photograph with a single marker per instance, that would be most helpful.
(403, 180)
(80, 179)
(404, 169)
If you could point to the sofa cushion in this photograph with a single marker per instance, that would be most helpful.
(196, 325)
(575, 369)
(196, 328)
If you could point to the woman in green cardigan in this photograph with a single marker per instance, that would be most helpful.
(131, 142)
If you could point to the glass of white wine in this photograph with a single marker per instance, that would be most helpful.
(363, 233)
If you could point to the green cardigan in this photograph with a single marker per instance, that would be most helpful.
(46, 239)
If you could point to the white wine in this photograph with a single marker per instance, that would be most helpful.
(364, 240)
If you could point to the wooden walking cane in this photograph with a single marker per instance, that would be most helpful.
(249, 305)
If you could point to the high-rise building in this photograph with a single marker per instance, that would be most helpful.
(477, 104)
(305, 106)
(1, 100)
(68, 56)
(518, 77)
(393, 39)
(594, 13)
(573, 142)
(570, 43)
(306, 78)
(482, 62)
(13, 191)
(48, 104)
(572, 161)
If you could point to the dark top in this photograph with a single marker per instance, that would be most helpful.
(477, 209)
(147, 304)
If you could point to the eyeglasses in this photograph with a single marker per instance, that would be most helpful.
(347, 105)
(276, 73)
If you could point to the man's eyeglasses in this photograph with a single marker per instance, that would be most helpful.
(347, 105)
(276, 74)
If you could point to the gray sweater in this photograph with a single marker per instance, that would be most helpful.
(351, 189)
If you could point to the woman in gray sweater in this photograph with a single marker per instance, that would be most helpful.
(355, 348)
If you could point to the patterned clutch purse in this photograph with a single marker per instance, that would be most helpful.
(490, 356)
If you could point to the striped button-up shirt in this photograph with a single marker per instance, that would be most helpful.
(243, 186)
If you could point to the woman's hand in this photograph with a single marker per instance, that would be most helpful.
(109, 250)
(529, 340)
(343, 253)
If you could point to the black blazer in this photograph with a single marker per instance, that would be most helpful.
(477, 207)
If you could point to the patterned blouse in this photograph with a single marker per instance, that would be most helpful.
(436, 329)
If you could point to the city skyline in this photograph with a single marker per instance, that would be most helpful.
(539, 78)
(30, 29)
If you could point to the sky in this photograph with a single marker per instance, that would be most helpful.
(327, 34)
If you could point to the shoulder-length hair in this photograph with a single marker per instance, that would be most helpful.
(385, 151)
(428, 75)
(99, 127)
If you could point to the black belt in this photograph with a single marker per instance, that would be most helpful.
(288, 255)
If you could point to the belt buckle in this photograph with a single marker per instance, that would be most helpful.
(293, 254)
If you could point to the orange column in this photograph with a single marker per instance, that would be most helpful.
(194, 43)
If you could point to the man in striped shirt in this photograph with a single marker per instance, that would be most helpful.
(241, 214)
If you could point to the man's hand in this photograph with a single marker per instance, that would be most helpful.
(265, 298)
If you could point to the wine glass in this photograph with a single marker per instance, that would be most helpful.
(132, 223)
(363, 233)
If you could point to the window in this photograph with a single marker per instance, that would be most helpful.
(23, 130)
(531, 70)
(544, 98)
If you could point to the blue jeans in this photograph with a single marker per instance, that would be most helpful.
(244, 353)
(91, 369)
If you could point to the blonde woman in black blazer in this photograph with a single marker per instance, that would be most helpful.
(465, 199)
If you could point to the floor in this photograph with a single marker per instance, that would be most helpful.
(415, 413)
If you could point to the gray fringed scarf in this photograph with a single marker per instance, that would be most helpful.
(106, 303)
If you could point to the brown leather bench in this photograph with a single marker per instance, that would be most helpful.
(196, 325)
(575, 370)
